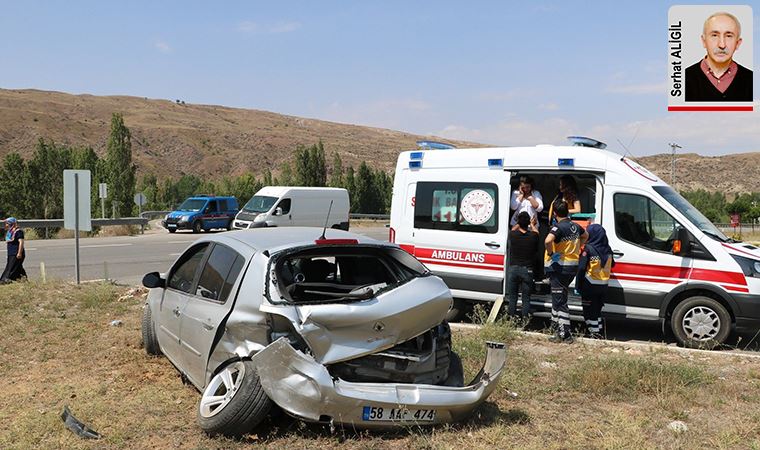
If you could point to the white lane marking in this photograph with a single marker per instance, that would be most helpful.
(180, 242)
(30, 248)
(174, 254)
(104, 245)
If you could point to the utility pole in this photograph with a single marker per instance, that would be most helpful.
(673, 148)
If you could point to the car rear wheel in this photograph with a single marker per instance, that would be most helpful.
(455, 377)
(700, 322)
(150, 343)
(234, 402)
(229, 225)
(197, 226)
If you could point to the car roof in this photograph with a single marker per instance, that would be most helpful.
(280, 238)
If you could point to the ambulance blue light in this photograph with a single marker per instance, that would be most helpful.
(493, 163)
(415, 164)
(433, 145)
(416, 155)
(566, 162)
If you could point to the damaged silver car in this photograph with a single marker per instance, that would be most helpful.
(340, 329)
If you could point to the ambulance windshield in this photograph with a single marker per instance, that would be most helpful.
(691, 213)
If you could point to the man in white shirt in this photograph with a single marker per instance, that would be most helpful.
(526, 199)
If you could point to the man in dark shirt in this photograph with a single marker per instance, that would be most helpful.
(717, 77)
(563, 248)
(523, 245)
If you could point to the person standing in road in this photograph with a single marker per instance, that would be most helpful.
(523, 245)
(14, 237)
(563, 248)
(594, 268)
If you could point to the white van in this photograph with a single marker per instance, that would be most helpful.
(285, 206)
(451, 209)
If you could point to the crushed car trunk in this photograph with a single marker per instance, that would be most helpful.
(306, 389)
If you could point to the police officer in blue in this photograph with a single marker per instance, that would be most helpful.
(14, 237)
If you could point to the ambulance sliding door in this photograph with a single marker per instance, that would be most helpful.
(460, 229)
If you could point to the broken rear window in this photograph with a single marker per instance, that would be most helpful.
(340, 274)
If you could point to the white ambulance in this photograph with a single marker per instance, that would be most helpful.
(451, 209)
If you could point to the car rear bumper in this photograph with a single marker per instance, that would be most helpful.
(305, 389)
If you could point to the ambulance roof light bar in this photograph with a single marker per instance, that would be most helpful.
(582, 141)
(433, 145)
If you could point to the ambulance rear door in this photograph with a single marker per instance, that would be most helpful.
(460, 228)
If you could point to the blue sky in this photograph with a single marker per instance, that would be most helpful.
(498, 72)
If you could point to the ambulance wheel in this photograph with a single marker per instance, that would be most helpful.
(700, 322)
(459, 308)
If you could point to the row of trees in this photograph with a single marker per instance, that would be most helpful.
(34, 188)
(369, 189)
(716, 207)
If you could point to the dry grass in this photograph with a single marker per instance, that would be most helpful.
(59, 349)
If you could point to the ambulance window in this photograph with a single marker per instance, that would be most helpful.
(456, 206)
(641, 221)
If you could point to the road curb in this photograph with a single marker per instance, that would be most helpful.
(648, 346)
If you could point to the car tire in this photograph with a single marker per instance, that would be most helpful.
(229, 225)
(233, 403)
(197, 226)
(700, 322)
(149, 341)
(459, 308)
(172, 230)
(455, 377)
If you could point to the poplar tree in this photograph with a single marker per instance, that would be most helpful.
(119, 169)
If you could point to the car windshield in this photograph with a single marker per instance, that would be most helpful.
(191, 204)
(691, 213)
(259, 204)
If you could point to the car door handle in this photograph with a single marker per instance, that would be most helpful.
(493, 244)
(617, 253)
(176, 312)
(208, 326)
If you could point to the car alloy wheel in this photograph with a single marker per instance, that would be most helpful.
(222, 389)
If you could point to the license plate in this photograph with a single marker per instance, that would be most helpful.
(171, 225)
(377, 413)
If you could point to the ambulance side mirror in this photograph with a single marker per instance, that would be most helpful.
(682, 243)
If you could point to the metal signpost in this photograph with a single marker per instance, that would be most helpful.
(103, 194)
(140, 201)
(76, 206)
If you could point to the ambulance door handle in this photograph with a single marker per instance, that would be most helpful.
(617, 254)
(493, 244)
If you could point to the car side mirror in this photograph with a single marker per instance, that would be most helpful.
(682, 243)
(278, 211)
(153, 280)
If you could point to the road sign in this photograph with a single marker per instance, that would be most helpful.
(76, 206)
(76, 200)
(140, 199)
(102, 190)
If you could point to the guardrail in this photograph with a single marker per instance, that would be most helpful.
(58, 223)
(370, 216)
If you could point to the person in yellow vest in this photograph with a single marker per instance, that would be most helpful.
(563, 249)
(594, 268)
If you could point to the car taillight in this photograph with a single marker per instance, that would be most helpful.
(391, 235)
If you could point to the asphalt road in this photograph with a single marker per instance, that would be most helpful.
(126, 259)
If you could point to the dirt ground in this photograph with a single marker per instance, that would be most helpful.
(59, 348)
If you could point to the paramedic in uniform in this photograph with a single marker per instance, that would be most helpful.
(717, 77)
(563, 248)
(594, 268)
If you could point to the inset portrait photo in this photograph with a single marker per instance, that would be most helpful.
(710, 64)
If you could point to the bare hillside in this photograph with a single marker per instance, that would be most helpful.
(173, 139)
